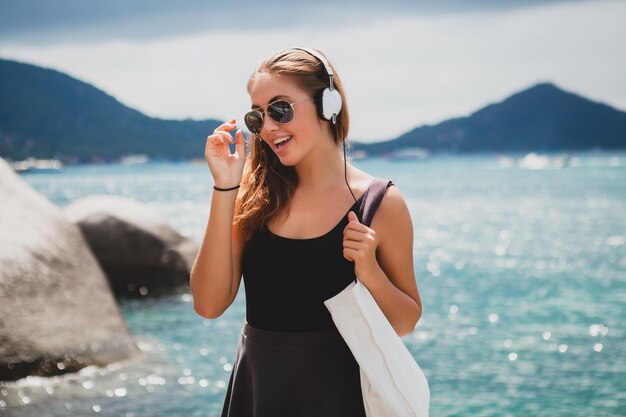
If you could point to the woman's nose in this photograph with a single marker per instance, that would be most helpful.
(269, 124)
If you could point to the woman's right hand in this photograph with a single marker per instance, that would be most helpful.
(226, 168)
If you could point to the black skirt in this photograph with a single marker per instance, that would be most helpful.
(301, 374)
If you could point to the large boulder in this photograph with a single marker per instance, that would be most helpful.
(57, 311)
(138, 250)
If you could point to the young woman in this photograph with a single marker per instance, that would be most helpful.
(287, 221)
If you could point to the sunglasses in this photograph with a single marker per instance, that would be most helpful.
(281, 111)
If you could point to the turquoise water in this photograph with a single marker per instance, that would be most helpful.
(522, 275)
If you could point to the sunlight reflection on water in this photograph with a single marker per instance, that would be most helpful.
(522, 276)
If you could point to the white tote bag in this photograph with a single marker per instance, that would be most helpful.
(392, 383)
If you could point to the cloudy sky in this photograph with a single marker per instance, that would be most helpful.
(404, 63)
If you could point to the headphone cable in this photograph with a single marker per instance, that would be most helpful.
(345, 162)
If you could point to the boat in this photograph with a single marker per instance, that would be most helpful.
(536, 161)
(135, 159)
(407, 154)
(358, 154)
(35, 165)
(506, 161)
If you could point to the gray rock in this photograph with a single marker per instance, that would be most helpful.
(138, 250)
(57, 311)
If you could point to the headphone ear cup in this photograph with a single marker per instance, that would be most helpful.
(331, 103)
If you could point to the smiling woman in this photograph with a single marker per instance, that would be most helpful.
(293, 234)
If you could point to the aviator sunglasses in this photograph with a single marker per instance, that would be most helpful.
(281, 111)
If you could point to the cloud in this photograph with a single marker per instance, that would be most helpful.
(400, 72)
(42, 21)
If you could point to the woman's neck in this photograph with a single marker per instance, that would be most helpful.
(322, 170)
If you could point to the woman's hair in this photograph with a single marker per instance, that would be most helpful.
(267, 184)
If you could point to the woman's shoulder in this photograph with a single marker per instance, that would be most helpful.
(393, 212)
(361, 181)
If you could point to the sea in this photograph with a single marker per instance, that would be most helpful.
(521, 270)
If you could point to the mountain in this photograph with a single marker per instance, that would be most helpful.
(540, 118)
(45, 113)
(48, 114)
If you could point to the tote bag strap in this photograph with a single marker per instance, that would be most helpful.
(371, 200)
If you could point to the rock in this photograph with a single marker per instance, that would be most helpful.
(57, 311)
(138, 250)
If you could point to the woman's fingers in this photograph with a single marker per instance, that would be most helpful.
(224, 135)
(240, 147)
(230, 125)
(356, 228)
(353, 244)
(366, 237)
(223, 130)
(358, 238)
(216, 139)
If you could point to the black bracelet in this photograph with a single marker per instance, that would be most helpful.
(226, 189)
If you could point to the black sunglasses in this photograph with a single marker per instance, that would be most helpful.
(281, 111)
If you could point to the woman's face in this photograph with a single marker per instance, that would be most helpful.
(302, 131)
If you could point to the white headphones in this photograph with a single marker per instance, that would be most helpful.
(328, 100)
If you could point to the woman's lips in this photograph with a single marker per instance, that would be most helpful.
(280, 148)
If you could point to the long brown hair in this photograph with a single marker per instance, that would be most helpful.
(267, 184)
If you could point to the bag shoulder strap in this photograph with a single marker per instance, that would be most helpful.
(372, 199)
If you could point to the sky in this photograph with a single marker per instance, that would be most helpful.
(403, 63)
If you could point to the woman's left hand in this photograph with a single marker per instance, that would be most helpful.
(359, 246)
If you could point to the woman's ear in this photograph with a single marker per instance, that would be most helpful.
(319, 104)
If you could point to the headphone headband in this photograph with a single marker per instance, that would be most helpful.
(323, 60)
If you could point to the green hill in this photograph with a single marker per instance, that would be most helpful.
(541, 118)
(45, 113)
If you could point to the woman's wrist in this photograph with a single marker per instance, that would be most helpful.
(227, 188)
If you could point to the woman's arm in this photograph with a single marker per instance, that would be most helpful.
(216, 272)
(383, 256)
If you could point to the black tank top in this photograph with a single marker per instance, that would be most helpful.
(287, 280)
